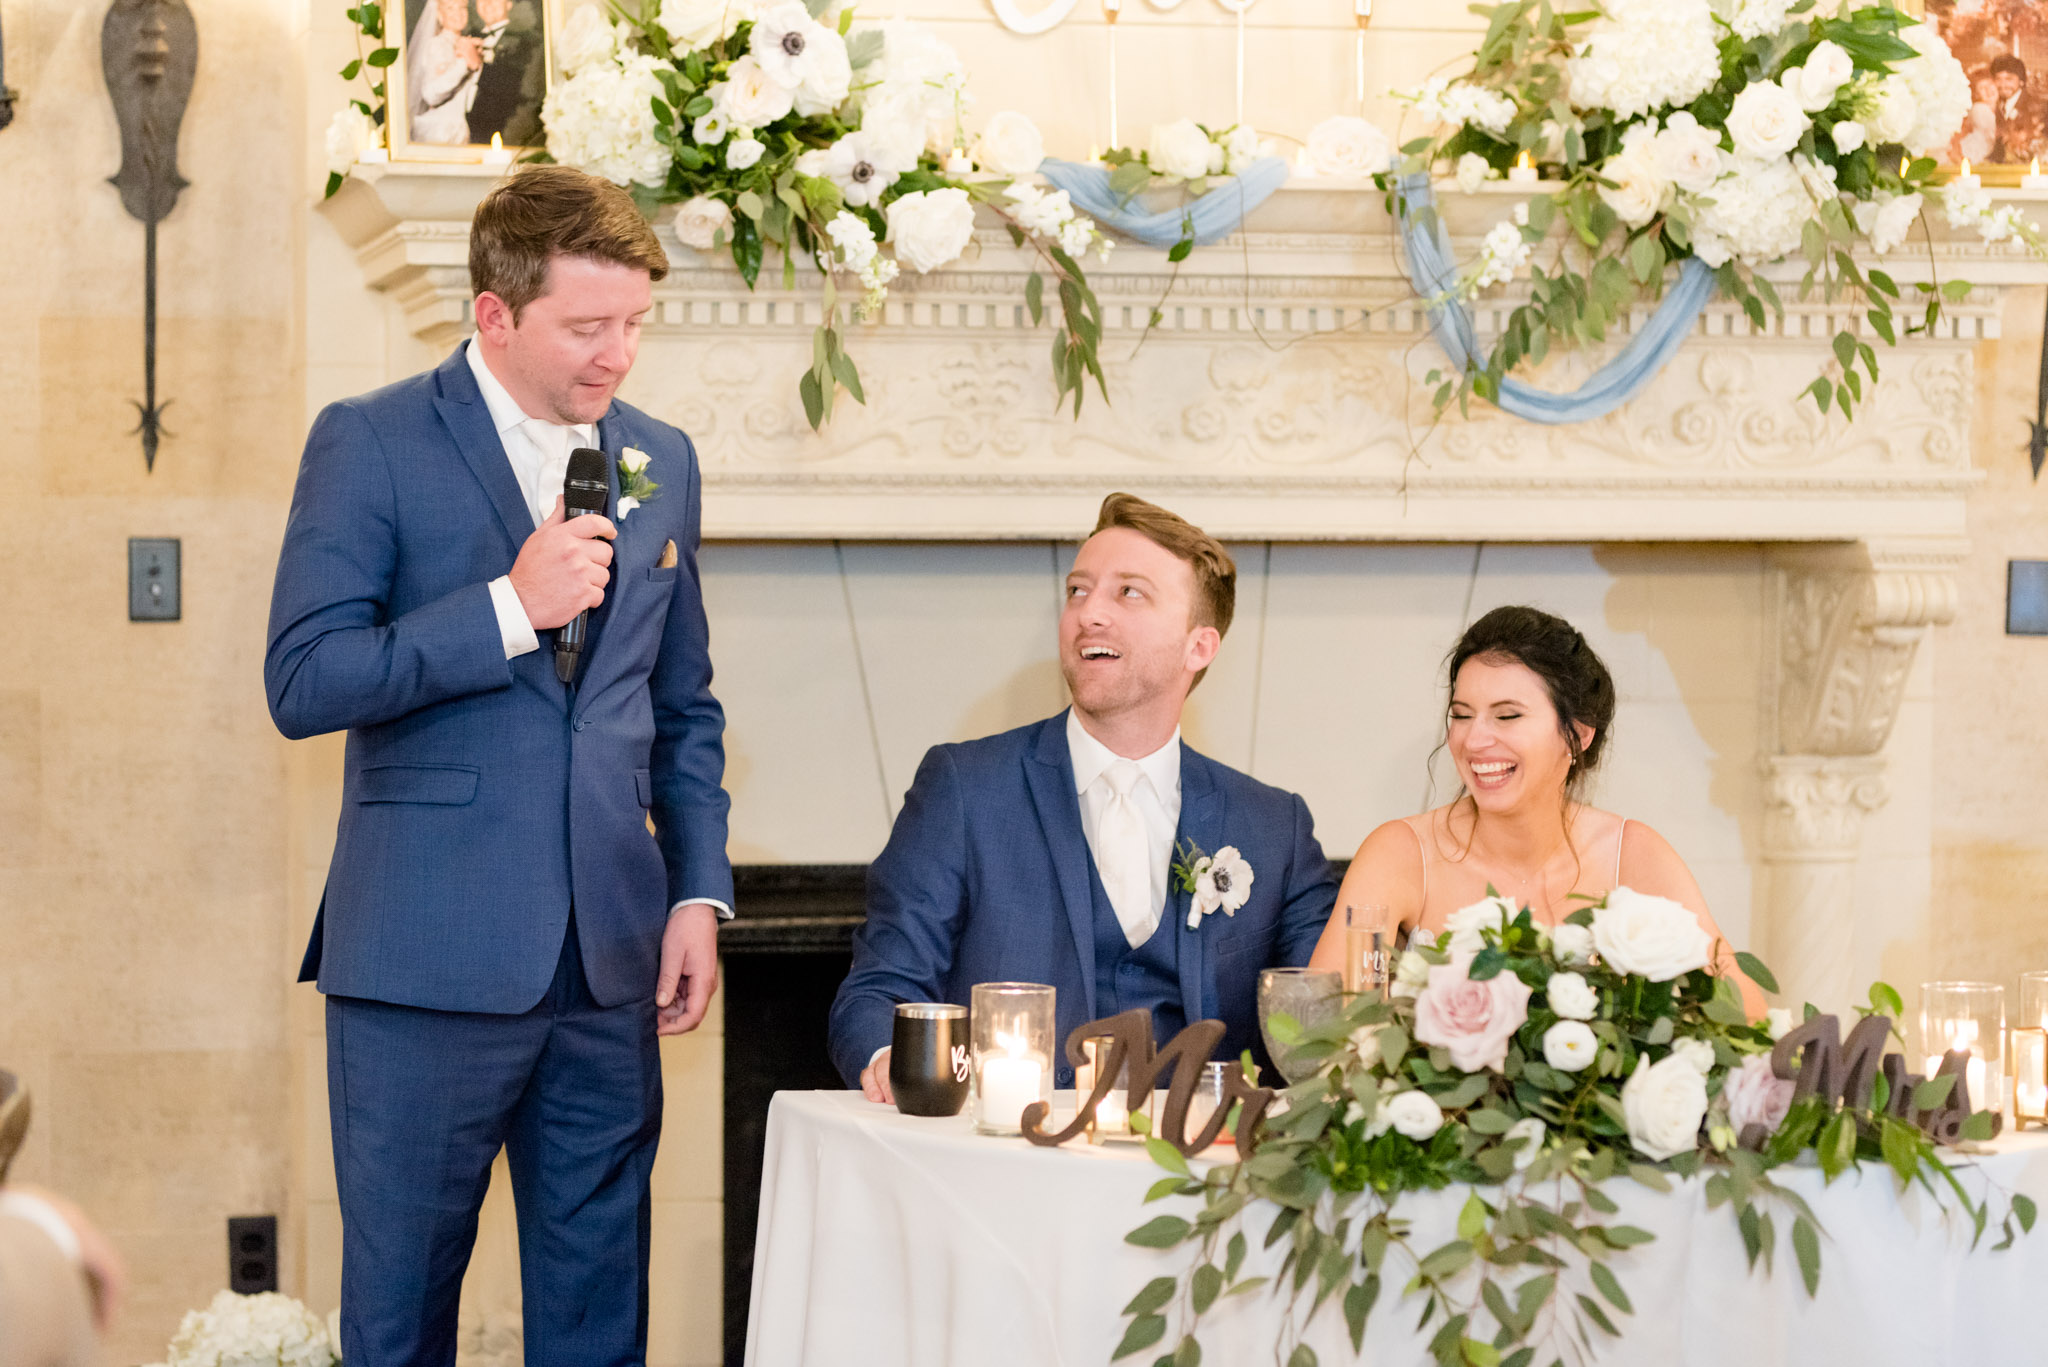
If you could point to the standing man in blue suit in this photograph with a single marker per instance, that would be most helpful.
(502, 938)
(1045, 854)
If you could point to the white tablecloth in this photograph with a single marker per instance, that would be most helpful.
(890, 1240)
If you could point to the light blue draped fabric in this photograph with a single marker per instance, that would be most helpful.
(1214, 214)
(1433, 270)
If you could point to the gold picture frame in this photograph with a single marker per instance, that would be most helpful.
(451, 87)
(2003, 46)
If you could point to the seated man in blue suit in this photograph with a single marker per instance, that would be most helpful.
(502, 936)
(1047, 854)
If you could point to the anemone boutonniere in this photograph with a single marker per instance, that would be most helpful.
(1222, 880)
(635, 488)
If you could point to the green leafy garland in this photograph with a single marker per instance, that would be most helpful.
(1334, 1169)
(368, 18)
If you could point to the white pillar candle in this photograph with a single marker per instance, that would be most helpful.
(1008, 1085)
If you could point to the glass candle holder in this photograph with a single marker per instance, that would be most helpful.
(1365, 949)
(2030, 1051)
(1208, 1096)
(1967, 1016)
(1013, 1027)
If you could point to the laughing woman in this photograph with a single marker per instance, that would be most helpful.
(1531, 706)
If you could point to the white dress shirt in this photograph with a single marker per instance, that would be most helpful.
(1139, 903)
(538, 449)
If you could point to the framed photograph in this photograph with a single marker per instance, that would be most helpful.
(2003, 46)
(466, 69)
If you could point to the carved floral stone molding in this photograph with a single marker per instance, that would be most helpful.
(1281, 394)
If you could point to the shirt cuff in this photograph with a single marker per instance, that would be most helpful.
(724, 911)
(40, 1213)
(513, 626)
(877, 1054)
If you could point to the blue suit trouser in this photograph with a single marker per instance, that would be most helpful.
(421, 1101)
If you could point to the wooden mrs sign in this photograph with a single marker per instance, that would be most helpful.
(1818, 1062)
(1130, 1036)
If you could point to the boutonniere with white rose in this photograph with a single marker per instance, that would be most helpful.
(1219, 881)
(635, 488)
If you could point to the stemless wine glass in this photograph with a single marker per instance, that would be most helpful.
(1365, 949)
(928, 1058)
(1308, 995)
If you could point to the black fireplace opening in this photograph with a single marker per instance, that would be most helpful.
(784, 954)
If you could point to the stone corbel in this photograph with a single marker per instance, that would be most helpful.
(1848, 621)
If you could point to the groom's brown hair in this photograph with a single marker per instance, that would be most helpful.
(1215, 572)
(549, 211)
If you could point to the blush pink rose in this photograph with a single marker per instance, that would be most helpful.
(1474, 1021)
(1756, 1095)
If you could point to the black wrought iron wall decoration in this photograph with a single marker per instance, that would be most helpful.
(6, 95)
(149, 50)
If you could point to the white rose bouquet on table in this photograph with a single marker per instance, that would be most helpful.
(1532, 1064)
(787, 128)
(1736, 132)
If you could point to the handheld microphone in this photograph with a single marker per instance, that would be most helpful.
(585, 490)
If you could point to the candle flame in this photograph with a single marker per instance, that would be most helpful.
(2035, 169)
(497, 142)
(1362, 8)
(1966, 166)
(1011, 1046)
(1110, 8)
(1301, 162)
(1902, 166)
(1094, 154)
(1524, 162)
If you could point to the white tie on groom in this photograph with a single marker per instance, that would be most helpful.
(1123, 853)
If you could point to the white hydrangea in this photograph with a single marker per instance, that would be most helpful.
(266, 1328)
(1940, 89)
(1758, 18)
(1645, 55)
(1755, 213)
(1460, 103)
(853, 246)
(918, 85)
(1502, 252)
(602, 120)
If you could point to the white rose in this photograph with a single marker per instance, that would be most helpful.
(1572, 997)
(1697, 1053)
(699, 222)
(1664, 1103)
(829, 77)
(1766, 121)
(693, 24)
(1241, 147)
(1777, 1021)
(1366, 1040)
(349, 135)
(1010, 145)
(1349, 146)
(1179, 149)
(741, 153)
(1848, 135)
(1411, 974)
(586, 37)
(632, 459)
(1414, 1114)
(1472, 172)
(1652, 936)
(1464, 924)
(1688, 155)
(930, 228)
(749, 97)
(1570, 1047)
(1532, 1132)
(1896, 112)
(1814, 85)
(1637, 192)
(1573, 944)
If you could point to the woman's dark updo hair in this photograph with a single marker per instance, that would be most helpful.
(1580, 687)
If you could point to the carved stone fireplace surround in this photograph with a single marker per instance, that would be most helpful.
(1282, 395)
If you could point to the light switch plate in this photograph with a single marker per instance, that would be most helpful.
(2026, 597)
(153, 579)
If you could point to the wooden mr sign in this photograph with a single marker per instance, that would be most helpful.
(1130, 1045)
(1820, 1063)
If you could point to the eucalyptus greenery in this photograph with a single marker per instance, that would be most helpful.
(1536, 1269)
(370, 65)
(1599, 266)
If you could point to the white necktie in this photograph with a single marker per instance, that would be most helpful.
(552, 441)
(1121, 855)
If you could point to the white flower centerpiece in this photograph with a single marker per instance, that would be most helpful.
(1532, 1064)
(797, 131)
(1737, 132)
(264, 1330)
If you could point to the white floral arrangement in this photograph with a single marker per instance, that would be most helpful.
(803, 131)
(264, 1330)
(1736, 132)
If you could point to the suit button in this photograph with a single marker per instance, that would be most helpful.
(579, 724)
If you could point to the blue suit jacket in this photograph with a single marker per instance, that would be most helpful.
(481, 798)
(987, 877)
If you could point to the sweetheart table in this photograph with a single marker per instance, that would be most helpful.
(886, 1239)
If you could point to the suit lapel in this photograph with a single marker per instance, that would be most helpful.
(461, 405)
(1049, 773)
(1202, 814)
